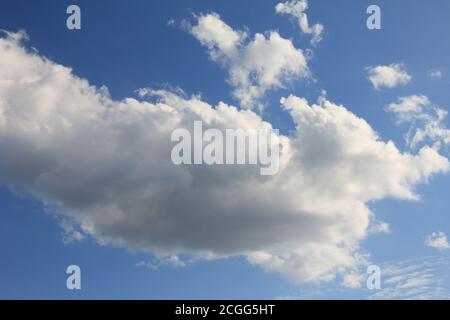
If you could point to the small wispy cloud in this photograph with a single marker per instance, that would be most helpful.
(297, 9)
(170, 261)
(437, 240)
(435, 73)
(426, 120)
(419, 279)
(71, 231)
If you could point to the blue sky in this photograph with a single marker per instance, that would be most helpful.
(130, 45)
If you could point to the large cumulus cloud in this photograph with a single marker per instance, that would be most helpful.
(105, 165)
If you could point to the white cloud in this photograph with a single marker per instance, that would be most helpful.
(379, 227)
(435, 73)
(409, 109)
(433, 130)
(255, 66)
(437, 240)
(70, 231)
(219, 37)
(297, 9)
(353, 280)
(105, 164)
(427, 121)
(388, 76)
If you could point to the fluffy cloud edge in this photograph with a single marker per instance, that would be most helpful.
(388, 76)
(255, 65)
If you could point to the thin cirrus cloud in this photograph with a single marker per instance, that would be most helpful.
(419, 279)
(388, 76)
(255, 65)
(122, 189)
